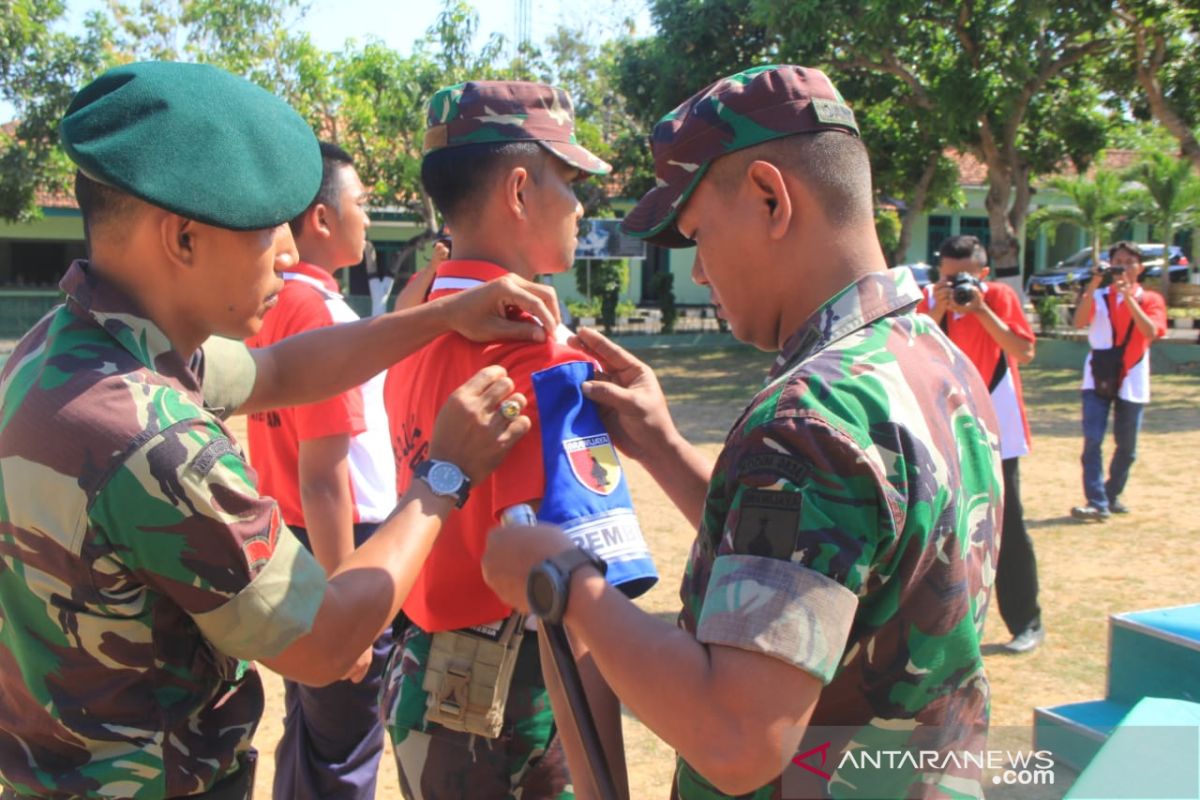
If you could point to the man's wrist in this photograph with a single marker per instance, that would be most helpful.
(586, 585)
(433, 504)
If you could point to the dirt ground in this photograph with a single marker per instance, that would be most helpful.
(1144, 560)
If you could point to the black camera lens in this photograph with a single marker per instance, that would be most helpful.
(963, 288)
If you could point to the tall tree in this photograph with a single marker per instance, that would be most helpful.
(1158, 56)
(40, 69)
(1097, 204)
(981, 68)
(1168, 198)
(380, 113)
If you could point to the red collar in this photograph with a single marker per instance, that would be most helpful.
(457, 275)
(315, 273)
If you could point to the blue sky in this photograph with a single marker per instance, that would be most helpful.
(400, 22)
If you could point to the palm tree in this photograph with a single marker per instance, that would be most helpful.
(1168, 198)
(1098, 203)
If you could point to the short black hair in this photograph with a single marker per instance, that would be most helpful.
(454, 177)
(1128, 247)
(333, 159)
(964, 246)
(100, 204)
(832, 164)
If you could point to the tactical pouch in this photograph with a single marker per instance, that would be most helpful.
(469, 673)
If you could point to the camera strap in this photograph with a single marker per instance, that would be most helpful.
(1112, 321)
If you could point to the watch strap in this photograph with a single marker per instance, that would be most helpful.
(426, 467)
(571, 560)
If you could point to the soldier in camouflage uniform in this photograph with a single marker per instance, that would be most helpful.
(847, 533)
(140, 570)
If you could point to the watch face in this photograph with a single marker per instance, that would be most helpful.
(540, 592)
(445, 478)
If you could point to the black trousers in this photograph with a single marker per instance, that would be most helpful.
(1016, 573)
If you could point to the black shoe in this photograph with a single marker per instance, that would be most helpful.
(1117, 507)
(1089, 513)
(1027, 639)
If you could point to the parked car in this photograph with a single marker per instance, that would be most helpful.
(1068, 275)
(921, 271)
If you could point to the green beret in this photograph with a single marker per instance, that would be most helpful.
(197, 141)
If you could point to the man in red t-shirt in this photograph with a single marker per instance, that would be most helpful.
(329, 464)
(990, 327)
(499, 166)
(1126, 317)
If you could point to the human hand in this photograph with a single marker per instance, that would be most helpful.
(512, 552)
(486, 312)
(638, 419)
(942, 294)
(471, 432)
(359, 671)
(1122, 285)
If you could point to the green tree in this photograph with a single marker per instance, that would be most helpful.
(1157, 55)
(1168, 198)
(1097, 204)
(1004, 80)
(40, 69)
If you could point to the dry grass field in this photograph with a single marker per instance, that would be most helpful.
(1149, 558)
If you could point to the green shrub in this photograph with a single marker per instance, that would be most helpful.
(1047, 311)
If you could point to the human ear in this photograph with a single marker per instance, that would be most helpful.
(515, 184)
(317, 219)
(770, 192)
(177, 235)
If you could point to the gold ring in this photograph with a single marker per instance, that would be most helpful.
(510, 409)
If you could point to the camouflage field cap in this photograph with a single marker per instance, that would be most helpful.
(195, 140)
(490, 112)
(745, 109)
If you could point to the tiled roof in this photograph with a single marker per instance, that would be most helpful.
(973, 172)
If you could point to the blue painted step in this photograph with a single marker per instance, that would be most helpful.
(1154, 653)
(1153, 753)
(1075, 732)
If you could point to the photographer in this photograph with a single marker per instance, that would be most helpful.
(1122, 319)
(985, 320)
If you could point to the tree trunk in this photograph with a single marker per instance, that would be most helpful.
(916, 207)
(1165, 282)
(1004, 249)
(1149, 51)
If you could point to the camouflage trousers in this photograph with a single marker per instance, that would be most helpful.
(526, 761)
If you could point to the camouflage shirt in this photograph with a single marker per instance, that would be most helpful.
(138, 565)
(851, 529)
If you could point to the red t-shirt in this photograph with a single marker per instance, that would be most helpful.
(450, 592)
(274, 436)
(998, 371)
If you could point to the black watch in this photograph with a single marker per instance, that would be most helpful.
(549, 582)
(444, 479)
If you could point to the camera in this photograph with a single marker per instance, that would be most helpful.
(1107, 272)
(963, 288)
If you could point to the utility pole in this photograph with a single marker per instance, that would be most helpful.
(524, 31)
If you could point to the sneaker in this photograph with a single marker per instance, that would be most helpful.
(1027, 639)
(1089, 513)
(1117, 507)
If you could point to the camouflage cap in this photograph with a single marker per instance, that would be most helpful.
(195, 140)
(490, 112)
(745, 109)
